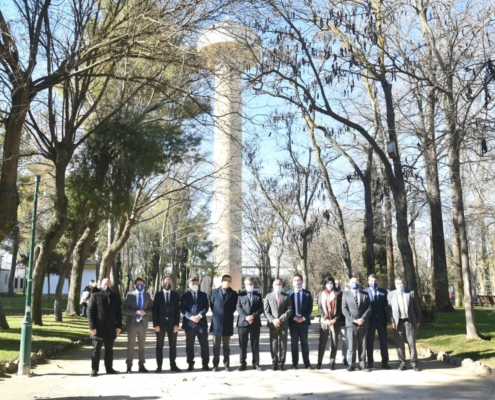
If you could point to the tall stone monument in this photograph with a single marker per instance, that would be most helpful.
(228, 48)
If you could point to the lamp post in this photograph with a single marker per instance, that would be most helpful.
(37, 169)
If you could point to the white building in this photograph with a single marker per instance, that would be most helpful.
(51, 280)
(19, 277)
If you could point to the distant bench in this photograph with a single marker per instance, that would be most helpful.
(485, 301)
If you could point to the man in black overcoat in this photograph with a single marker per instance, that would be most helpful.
(223, 303)
(105, 323)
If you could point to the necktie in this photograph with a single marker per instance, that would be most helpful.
(140, 305)
(166, 298)
(402, 308)
(298, 303)
(195, 299)
(356, 299)
(250, 298)
(278, 300)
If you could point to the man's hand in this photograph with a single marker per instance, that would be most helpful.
(141, 312)
(157, 329)
(118, 330)
(393, 325)
(196, 319)
(331, 322)
(176, 328)
(277, 322)
(93, 332)
(249, 319)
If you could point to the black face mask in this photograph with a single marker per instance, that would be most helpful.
(167, 287)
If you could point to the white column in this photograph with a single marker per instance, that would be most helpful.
(227, 183)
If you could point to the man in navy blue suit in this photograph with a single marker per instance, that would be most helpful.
(194, 306)
(377, 321)
(299, 321)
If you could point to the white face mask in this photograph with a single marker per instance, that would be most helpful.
(249, 288)
(194, 288)
(329, 286)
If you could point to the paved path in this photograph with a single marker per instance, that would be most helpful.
(68, 378)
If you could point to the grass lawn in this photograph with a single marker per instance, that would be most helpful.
(448, 334)
(44, 337)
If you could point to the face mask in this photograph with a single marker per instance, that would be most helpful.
(329, 286)
(373, 285)
(225, 284)
(337, 287)
(249, 288)
(105, 288)
(194, 288)
(400, 288)
(278, 288)
(298, 285)
(167, 286)
(140, 288)
(355, 286)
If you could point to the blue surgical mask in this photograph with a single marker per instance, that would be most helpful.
(337, 287)
(329, 286)
(355, 286)
(400, 288)
(374, 286)
(140, 288)
(278, 288)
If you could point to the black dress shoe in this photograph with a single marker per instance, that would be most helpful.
(129, 370)
(281, 367)
(143, 369)
(175, 368)
(93, 373)
(190, 368)
(227, 368)
(318, 366)
(215, 368)
(385, 366)
(370, 365)
(294, 367)
(274, 367)
(402, 368)
(257, 367)
(158, 370)
(350, 369)
(112, 372)
(365, 369)
(332, 366)
(345, 362)
(417, 369)
(308, 366)
(206, 368)
(241, 368)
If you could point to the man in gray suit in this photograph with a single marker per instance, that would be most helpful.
(405, 317)
(356, 307)
(138, 307)
(278, 309)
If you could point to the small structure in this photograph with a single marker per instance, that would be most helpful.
(51, 281)
(228, 49)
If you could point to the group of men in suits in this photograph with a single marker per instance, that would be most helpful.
(365, 311)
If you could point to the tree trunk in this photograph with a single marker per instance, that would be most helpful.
(57, 304)
(53, 235)
(389, 240)
(369, 227)
(110, 253)
(458, 213)
(78, 261)
(3, 318)
(13, 265)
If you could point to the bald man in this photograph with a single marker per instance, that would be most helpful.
(105, 323)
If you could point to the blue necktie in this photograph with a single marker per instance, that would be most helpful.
(140, 305)
(298, 304)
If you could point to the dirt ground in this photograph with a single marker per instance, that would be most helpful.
(67, 377)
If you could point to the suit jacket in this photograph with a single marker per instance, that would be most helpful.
(105, 315)
(411, 305)
(272, 312)
(131, 306)
(306, 306)
(244, 308)
(338, 310)
(351, 310)
(190, 309)
(379, 306)
(163, 312)
(223, 309)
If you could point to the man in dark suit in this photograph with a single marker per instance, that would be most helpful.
(166, 318)
(223, 302)
(405, 315)
(138, 306)
(194, 306)
(356, 307)
(299, 321)
(278, 309)
(105, 323)
(378, 321)
(249, 309)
